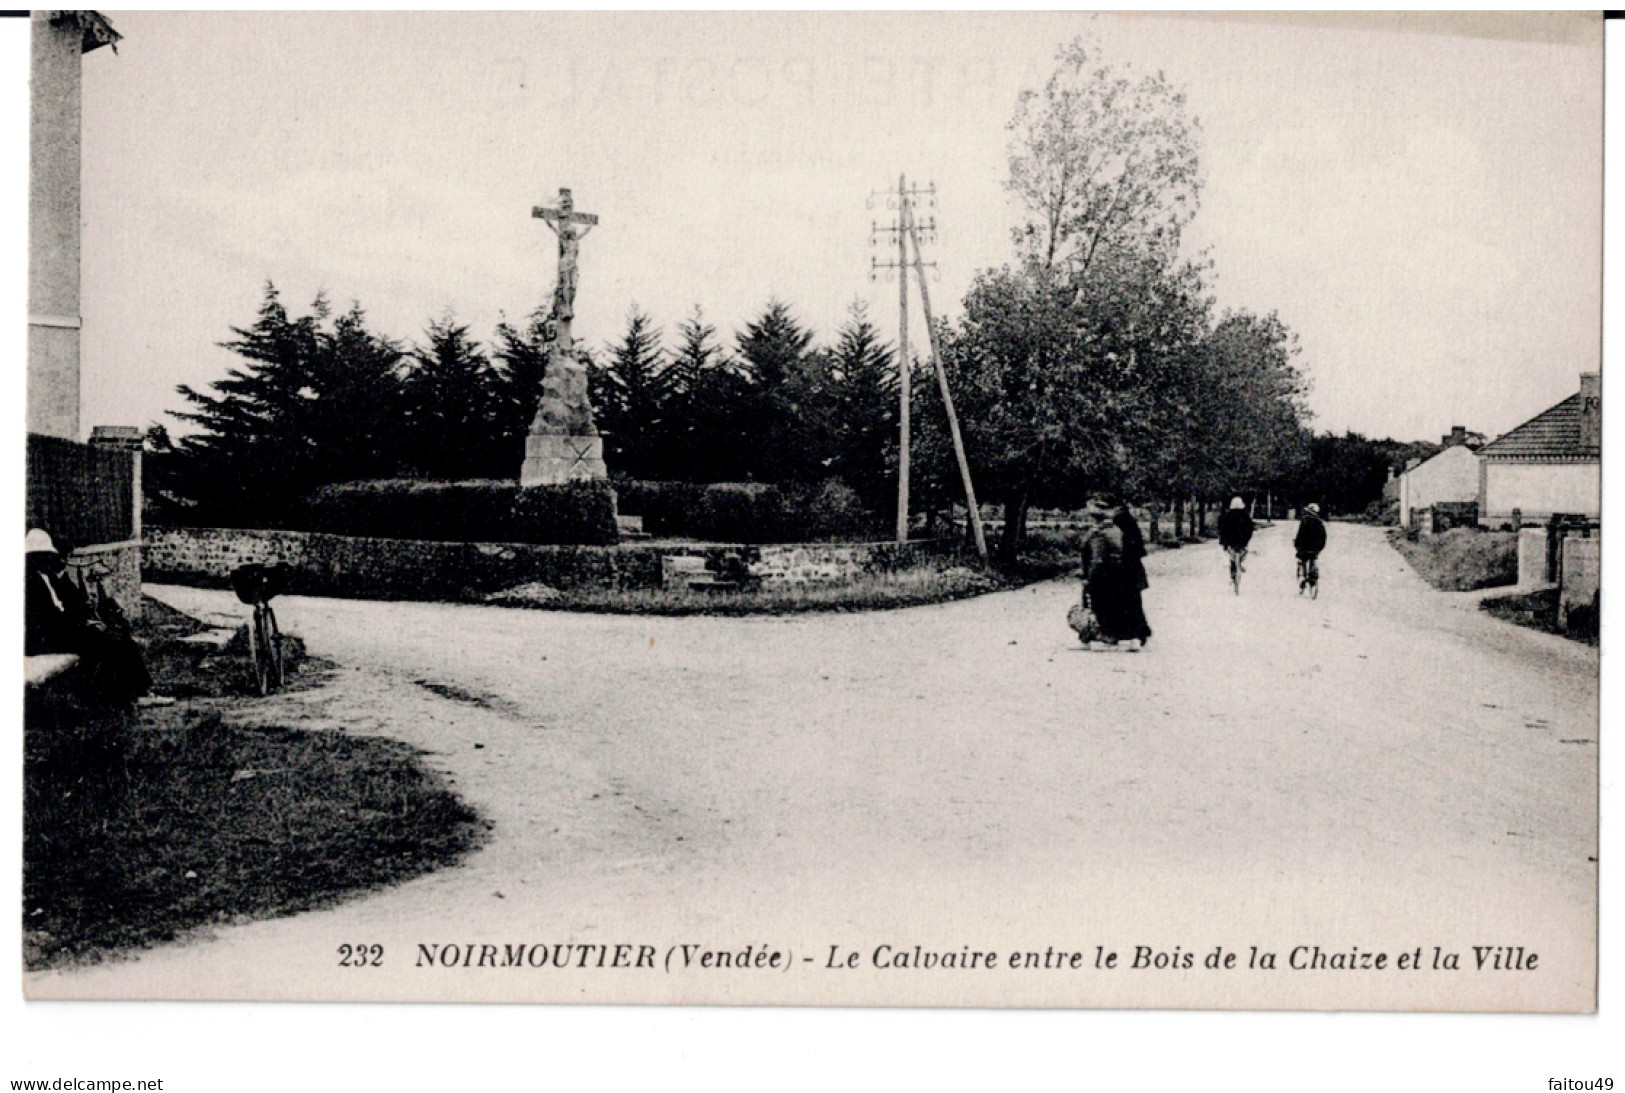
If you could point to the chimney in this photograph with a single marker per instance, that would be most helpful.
(1458, 435)
(1591, 410)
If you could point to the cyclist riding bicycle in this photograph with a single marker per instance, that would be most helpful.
(1309, 542)
(1236, 530)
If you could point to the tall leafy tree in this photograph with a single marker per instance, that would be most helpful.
(1102, 159)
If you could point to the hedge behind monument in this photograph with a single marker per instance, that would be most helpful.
(478, 511)
(748, 512)
(580, 513)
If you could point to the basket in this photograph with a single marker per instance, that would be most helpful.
(1083, 623)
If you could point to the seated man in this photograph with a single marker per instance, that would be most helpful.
(59, 619)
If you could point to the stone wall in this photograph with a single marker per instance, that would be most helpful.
(333, 565)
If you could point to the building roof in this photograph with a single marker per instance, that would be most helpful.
(1418, 464)
(1554, 434)
(94, 28)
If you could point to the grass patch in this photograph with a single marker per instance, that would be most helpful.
(138, 828)
(1462, 559)
(871, 592)
(134, 836)
(1538, 611)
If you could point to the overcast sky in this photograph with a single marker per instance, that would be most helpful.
(1423, 209)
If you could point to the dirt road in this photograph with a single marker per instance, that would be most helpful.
(1384, 769)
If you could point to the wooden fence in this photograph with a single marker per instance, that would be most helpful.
(83, 496)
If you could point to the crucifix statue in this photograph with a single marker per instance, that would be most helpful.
(563, 444)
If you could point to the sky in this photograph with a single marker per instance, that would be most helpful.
(1423, 209)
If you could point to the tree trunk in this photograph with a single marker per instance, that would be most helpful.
(1179, 519)
(1015, 526)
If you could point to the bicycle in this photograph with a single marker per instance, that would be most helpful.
(1237, 556)
(257, 585)
(1309, 576)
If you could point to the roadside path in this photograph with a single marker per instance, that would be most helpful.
(1385, 767)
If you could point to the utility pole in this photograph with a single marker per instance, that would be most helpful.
(902, 202)
(909, 230)
(972, 511)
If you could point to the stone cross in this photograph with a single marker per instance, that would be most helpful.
(570, 226)
(563, 444)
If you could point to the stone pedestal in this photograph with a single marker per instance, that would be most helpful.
(553, 458)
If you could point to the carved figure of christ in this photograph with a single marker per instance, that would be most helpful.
(569, 226)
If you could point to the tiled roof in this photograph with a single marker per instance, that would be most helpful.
(1552, 435)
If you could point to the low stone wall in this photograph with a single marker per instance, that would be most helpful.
(334, 565)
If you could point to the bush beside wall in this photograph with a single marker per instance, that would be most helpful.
(488, 511)
(748, 512)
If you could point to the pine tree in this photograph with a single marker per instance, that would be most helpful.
(781, 372)
(254, 451)
(863, 400)
(519, 362)
(452, 400)
(636, 393)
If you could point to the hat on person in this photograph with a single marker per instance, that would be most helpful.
(38, 541)
(1314, 509)
(1237, 503)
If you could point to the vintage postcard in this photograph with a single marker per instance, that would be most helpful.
(888, 510)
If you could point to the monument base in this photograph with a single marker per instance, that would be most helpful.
(551, 459)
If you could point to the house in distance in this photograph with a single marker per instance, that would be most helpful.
(1551, 464)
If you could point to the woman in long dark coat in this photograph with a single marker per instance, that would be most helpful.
(1111, 584)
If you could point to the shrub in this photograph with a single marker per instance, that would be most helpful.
(1462, 559)
(571, 512)
(479, 511)
(748, 512)
(667, 508)
(473, 511)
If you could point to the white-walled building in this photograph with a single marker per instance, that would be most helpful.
(1552, 463)
(1450, 476)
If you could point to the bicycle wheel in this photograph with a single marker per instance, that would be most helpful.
(273, 642)
(1235, 575)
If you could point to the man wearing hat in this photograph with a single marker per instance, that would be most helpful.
(1311, 538)
(58, 619)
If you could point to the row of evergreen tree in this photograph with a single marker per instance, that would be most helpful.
(319, 398)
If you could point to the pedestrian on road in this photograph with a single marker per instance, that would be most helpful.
(1133, 543)
(1112, 594)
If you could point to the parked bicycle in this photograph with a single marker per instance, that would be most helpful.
(257, 585)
